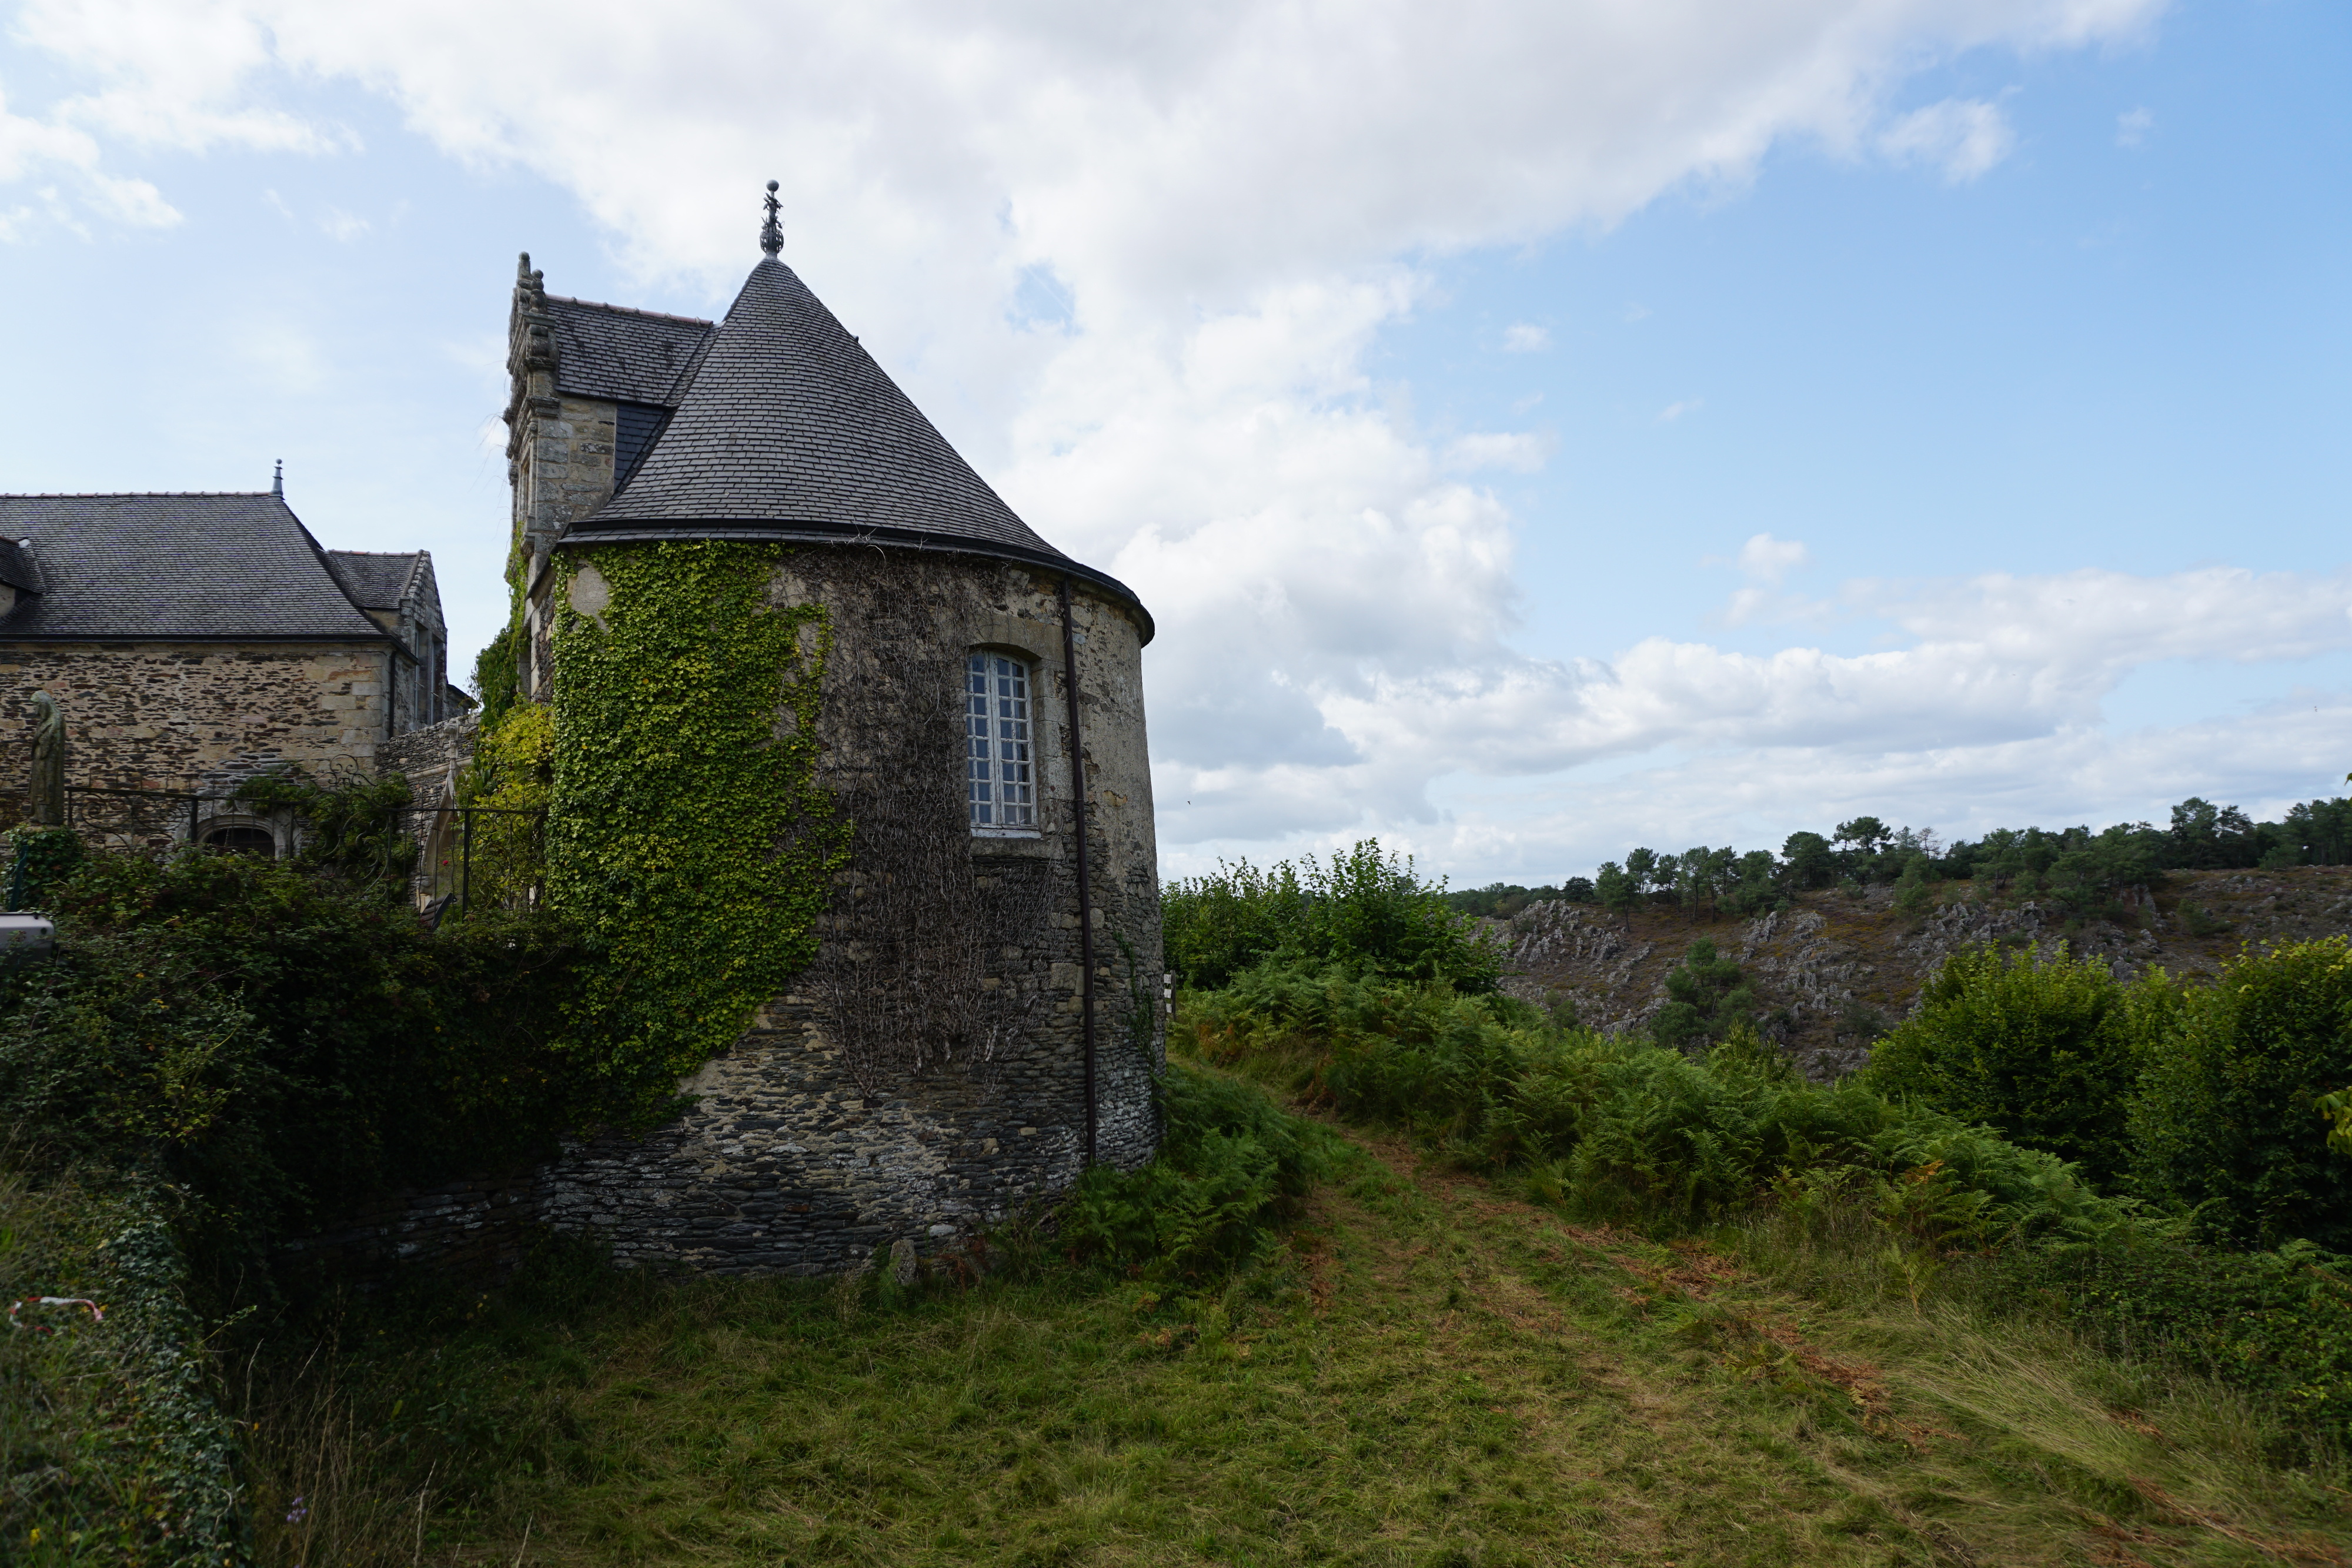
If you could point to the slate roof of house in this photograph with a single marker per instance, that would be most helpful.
(198, 567)
(790, 431)
(629, 356)
(377, 579)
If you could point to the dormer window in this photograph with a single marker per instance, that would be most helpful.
(1000, 774)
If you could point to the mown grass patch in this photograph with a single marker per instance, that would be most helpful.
(1427, 1369)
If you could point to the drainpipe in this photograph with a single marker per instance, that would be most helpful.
(1086, 883)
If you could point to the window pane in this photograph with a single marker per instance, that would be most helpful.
(997, 728)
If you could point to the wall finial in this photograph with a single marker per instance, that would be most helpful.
(771, 233)
(277, 480)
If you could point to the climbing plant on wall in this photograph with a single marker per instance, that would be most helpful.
(512, 774)
(934, 957)
(687, 835)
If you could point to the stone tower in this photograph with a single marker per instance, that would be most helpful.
(982, 1015)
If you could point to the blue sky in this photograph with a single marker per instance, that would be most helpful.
(1536, 435)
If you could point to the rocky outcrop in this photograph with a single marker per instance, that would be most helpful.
(1834, 969)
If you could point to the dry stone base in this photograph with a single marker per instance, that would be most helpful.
(785, 1167)
(781, 1168)
(474, 1227)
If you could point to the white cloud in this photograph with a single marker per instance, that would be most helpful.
(1219, 194)
(1765, 561)
(2133, 125)
(1525, 338)
(2001, 684)
(2069, 775)
(171, 73)
(1675, 410)
(339, 225)
(62, 158)
(1964, 137)
(1764, 558)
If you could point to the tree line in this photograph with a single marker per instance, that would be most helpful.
(2085, 872)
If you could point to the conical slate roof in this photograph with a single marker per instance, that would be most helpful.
(790, 430)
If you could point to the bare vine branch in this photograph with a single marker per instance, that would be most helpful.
(929, 958)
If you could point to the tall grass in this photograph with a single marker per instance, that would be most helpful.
(111, 1448)
(1614, 1129)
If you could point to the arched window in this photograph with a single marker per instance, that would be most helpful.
(240, 840)
(999, 776)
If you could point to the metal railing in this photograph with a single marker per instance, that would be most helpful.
(126, 829)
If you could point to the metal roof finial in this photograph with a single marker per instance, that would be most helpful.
(771, 233)
(277, 480)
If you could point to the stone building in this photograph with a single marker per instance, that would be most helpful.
(194, 640)
(398, 592)
(804, 1148)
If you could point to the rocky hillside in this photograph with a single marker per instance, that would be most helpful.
(1834, 969)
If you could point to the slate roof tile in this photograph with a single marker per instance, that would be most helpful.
(627, 356)
(791, 430)
(374, 579)
(198, 567)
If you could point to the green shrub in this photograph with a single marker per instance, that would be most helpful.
(283, 1048)
(1365, 911)
(2225, 1122)
(1707, 999)
(2280, 1321)
(2047, 1055)
(356, 827)
(1913, 892)
(1615, 1128)
(1620, 1127)
(687, 836)
(113, 1449)
(496, 676)
(512, 777)
(1230, 1164)
(39, 862)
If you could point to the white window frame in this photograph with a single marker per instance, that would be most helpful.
(1000, 766)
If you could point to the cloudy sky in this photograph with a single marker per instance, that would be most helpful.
(1539, 428)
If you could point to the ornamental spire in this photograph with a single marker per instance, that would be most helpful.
(771, 233)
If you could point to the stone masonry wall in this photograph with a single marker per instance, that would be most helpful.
(431, 759)
(477, 1227)
(561, 470)
(560, 452)
(785, 1164)
(190, 716)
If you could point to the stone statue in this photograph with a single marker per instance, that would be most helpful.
(49, 761)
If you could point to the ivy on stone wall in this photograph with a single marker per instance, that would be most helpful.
(496, 679)
(687, 835)
(512, 774)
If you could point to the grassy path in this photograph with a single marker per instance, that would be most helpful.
(1438, 1375)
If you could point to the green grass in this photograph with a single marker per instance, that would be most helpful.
(111, 1450)
(1430, 1370)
